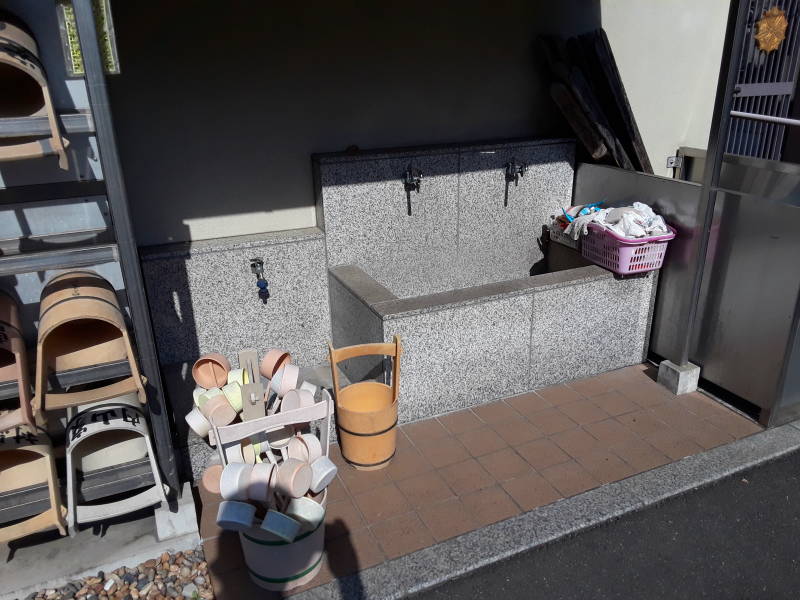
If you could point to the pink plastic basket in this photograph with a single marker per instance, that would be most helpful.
(623, 255)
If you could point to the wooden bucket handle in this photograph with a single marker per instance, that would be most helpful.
(393, 349)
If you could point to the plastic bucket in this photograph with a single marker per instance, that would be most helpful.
(366, 416)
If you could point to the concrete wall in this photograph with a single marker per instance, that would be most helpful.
(219, 106)
(668, 54)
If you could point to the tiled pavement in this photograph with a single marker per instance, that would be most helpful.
(471, 468)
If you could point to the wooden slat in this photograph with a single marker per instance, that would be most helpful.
(583, 128)
(603, 73)
(554, 51)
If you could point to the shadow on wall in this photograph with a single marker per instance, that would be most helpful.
(218, 110)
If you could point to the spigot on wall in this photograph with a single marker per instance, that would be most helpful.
(257, 268)
(412, 179)
(514, 171)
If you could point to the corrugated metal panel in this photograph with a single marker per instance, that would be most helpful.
(765, 85)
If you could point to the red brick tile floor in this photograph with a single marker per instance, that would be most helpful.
(471, 468)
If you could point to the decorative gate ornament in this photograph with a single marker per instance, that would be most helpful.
(771, 29)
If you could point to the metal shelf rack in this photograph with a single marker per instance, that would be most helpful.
(96, 121)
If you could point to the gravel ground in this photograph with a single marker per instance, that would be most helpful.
(180, 575)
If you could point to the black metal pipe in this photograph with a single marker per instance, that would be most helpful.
(126, 242)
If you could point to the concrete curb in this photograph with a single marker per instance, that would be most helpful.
(453, 558)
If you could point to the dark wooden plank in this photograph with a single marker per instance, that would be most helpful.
(586, 132)
(588, 102)
(553, 50)
(605, 79)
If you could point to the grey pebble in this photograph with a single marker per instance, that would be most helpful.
(190, 590)
(150, 574)
(172, 592)
(199, 580)
(129, 578)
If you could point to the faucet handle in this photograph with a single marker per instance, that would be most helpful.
(412, 180)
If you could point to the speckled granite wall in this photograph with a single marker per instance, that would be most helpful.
(460, 232)
(479, 344)
(203, 297)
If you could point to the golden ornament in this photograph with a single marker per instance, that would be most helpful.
(771, 29)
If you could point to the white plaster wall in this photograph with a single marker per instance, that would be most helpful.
(668, 53)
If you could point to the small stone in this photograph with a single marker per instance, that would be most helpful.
(165, 557)
(127, 597)
(110, 586)
(185, 572)
(146, 588)
(129, 578)
(149, 564)
(162, 573)
(101, 575)
(91, 597)
(199, 580)
(190, 590)
(172, 592)
(174, 568)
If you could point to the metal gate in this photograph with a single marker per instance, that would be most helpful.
(765, 85)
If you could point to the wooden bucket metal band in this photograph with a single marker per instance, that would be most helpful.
(371, 434)
(287, 579)
(100, 279)
(281, 542)
(375, 464)
(62, 301)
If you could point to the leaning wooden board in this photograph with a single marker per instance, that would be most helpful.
(607, 83)
(553, 50)
(586, 132)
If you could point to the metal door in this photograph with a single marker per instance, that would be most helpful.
(765, 83)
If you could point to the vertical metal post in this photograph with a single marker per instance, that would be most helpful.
(123, 232)
(734, 40)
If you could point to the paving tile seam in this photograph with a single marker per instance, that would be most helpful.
(463, 554)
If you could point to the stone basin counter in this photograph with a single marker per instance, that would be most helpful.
(484, 312)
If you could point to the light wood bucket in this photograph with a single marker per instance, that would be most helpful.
(14, 364)
(366, 412)
(26, 459)
(82, 325)
(26, 93)
(277, 565)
